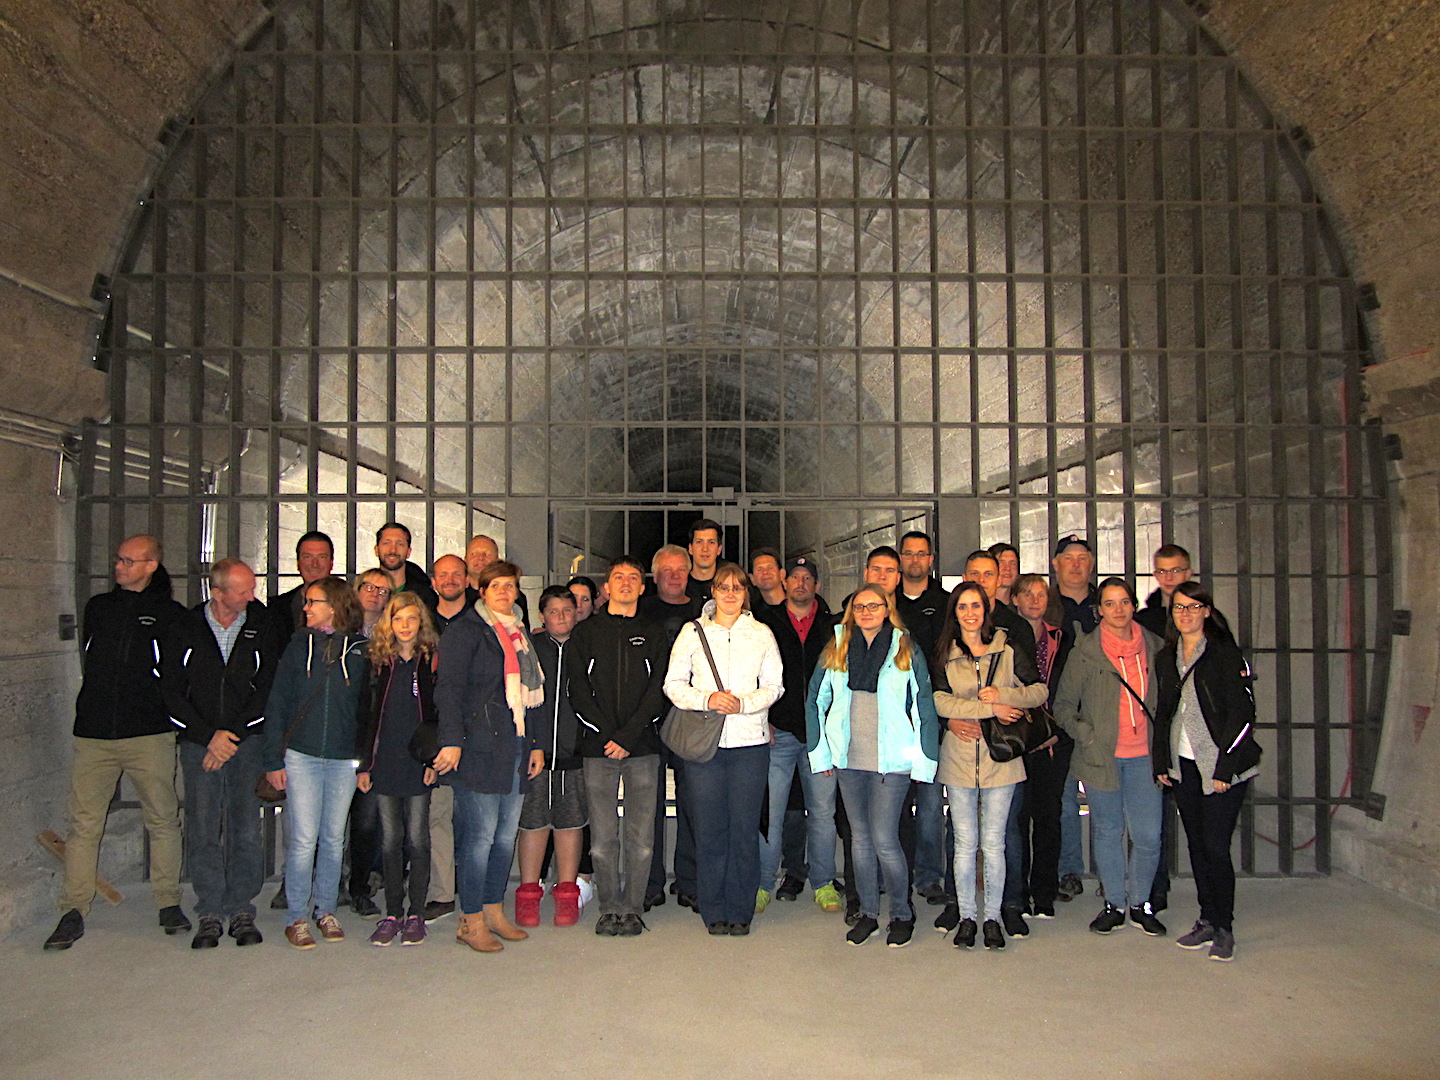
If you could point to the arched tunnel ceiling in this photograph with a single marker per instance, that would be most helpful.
(707, 208)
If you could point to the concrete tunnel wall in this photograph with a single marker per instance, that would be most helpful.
(86, 89)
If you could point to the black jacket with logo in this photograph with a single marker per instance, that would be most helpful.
(203, 692)
(615, 666)
(123, 632)
(923, 616)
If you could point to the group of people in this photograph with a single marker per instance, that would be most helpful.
(423, 713)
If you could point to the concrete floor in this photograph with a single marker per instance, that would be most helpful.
(1333, 978)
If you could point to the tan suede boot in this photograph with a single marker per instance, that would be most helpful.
(500, 925)
(473, 932)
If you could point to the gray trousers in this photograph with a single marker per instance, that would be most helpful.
(621, 870)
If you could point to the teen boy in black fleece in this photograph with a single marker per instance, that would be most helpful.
(616, 670)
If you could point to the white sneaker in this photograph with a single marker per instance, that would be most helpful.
(587, 891)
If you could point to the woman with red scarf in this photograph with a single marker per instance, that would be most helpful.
(1105, 700)
(489, 692)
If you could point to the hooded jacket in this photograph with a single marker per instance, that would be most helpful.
(379, 685)
(749, 664)
(321, 674)
(1087, 705)
(957, 696)
(123, 634)
(203, 691)
(909, 730)
(615, 667)
(558, 733)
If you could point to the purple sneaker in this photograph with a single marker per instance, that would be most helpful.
(385, 931)
(413, 932)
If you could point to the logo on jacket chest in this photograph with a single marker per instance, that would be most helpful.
(145, 620)
(638, 639)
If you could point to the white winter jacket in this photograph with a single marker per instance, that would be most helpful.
(749, 663)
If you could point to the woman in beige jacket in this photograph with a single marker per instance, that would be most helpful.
(979, 677)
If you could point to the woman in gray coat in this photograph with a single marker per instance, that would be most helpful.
(1106, 700)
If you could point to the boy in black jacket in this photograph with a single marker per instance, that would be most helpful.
(216, 676)
(616, 670)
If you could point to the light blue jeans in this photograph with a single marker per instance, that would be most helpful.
(317, 806)
(786, 756)
(1135, 808)
(979, 816)
(873, 802)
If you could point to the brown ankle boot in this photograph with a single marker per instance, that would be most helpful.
(500, 925)
(473, 932)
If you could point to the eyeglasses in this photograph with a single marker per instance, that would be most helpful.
(312, 603)
(121, 560)
(380, 589)
(867, 609)
(1188, 607)
(729, 588)
(1176, 572)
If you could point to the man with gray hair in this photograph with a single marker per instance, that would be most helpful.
(122, 729)
(216, 674)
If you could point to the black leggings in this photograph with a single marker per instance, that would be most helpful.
(1209, 822)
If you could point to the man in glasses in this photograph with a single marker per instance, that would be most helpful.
(1171, 569)
(122, 728)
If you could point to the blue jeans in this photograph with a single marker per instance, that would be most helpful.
(787, 757)
(222, 829)
(725, 796)
(484, 846)
(929, 834)
(979, 816)
(873, 802)
(318, 797)
(1072, 854)
(1134, 808)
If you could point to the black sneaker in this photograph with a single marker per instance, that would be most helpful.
(242, 929)
(860, 933)
(363, 905)
(1110, 918)
(1145, 919)
(654, 900)
(994, 939)
(632, 926)
(934, 893)
(608, 925)
(70, 930)
(438, 909)
(739, 929)
(965, 935)
(688, 900)
(209, 934)
(173, 920)
(790, 889)
(948, 919)
(1015, 924)
(1070, 887)
(899, 932)
(1200, 935)
(718, 929)
(852, 911)
(1044, 909)
(278, 901)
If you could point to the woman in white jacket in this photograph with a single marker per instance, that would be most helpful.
(725, 793)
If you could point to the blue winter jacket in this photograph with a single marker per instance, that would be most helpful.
(909, 726)
(329, 694)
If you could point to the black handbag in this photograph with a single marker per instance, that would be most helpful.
(1006, 742)
(694, 734)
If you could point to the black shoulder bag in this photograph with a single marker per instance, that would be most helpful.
(1006, 742)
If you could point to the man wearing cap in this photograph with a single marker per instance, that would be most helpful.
(801, 625)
